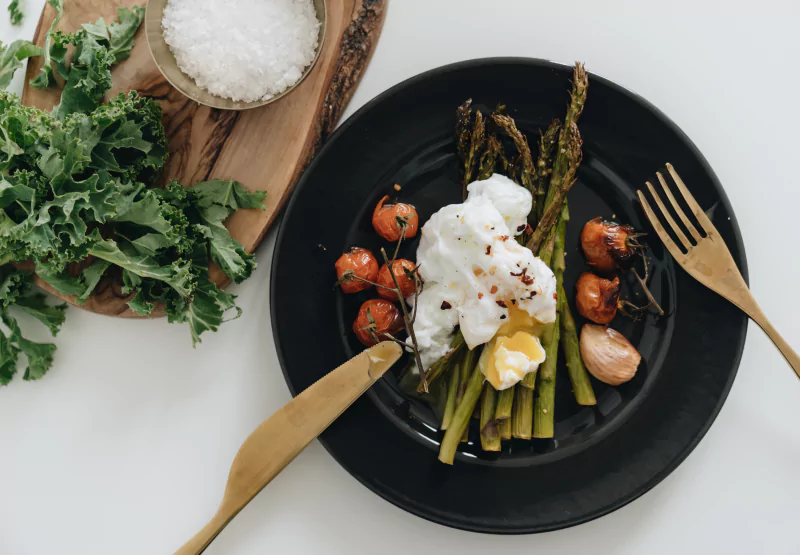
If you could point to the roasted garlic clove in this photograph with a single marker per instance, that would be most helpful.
(608, 355)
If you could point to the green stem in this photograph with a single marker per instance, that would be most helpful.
(545, 400)
(568, 158)
(504, 428)
(505, 400)
(438, 368)
(503, 412)
(489, 158)
(546, 255)
(580, 84)
(467, 365)
(461, 417)
(524, 161)
(544, 410)
(581, 385)
(529, 381)
(544, 168)
(463, 129)
(423, 382)
(452, 395)
(490, 436)
(476, 143)
(564, 169)
(522, 417)
(546, 251)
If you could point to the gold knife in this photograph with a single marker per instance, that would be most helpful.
(280, 438)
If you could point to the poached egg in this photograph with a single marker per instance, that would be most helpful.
(477, 276)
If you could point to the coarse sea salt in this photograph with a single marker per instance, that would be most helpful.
(245, 50)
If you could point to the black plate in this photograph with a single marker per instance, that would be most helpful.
(602, 457)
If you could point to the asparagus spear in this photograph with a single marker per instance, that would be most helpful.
(546, 255)
(568, 158)
(522, 418)
(463, 129)
(504, 164)
(544, 167)
(476, 143)
(461, 417)
(440, 366)
(545, 401)
(504, 428)
(452, 395)
(524, 160)
(579, 377)
(529, 381)
(546, 250)
(502, 414)
(564, 170)
(467, 365)
(581, 385)
(580, 83)
(505, 400)
(490, 436)
(489, 157)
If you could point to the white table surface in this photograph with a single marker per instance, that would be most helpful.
(125, 446)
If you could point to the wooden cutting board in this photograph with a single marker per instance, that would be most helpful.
(265, 148)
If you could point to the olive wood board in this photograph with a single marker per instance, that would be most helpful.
(265, 148)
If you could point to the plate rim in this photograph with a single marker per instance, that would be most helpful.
(716, 184)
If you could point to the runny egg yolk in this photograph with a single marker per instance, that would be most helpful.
(511, 357)
(518, 320)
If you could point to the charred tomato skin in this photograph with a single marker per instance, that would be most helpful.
(597, 297)
(362, 263)
(386, 316)
(606, 245)
(386, 220)
(402, 269)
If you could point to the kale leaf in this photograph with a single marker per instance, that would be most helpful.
(11, 57)
(118, 36)
(76, 202)
(16, 294)
(46, 78)
(15, 12)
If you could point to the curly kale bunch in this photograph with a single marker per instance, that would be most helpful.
(75, 202)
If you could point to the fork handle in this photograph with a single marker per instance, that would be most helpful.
(758, 316)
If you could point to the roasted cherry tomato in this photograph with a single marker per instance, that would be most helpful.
(597, 298)
(609, 246)
(390, 219)
(402, 271)
(358, 263)
(375, 317)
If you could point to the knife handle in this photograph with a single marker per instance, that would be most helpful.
(280, 438)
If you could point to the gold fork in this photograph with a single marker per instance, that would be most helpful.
(708, 259)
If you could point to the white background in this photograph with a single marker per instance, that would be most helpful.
(125, 446)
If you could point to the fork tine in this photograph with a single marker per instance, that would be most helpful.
(673, 249)
(698, 212)
(681, 214)
(677, 230)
